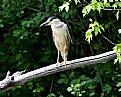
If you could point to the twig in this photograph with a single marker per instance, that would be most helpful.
(98, 71)
(33, 9)
(110, 78)
(75, 23)
(51, 86)
(26, 5)
(108, 39)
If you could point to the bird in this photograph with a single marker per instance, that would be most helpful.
(60, 35)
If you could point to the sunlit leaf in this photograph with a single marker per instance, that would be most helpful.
(69, 89)
(65, 5)
(105, 1)
(76, 1)
(80, 95)
(117, 15)
(119, 84)
(89, 35)
(119, 31)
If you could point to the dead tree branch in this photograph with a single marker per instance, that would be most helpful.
(19, 78)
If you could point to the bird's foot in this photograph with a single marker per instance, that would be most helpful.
(58, 64)
(63, 63)
(66, 62)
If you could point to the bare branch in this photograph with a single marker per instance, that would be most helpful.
(108, 39)
(18, 78)
(33, 9)
(111, 9)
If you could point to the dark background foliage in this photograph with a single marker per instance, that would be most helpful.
(23, 45)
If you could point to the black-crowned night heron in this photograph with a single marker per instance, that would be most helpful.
(61, 36)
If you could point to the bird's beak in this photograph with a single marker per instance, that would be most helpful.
(43, 24)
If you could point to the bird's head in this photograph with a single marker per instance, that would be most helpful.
(51, 20)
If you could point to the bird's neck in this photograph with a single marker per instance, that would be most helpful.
(58, 24)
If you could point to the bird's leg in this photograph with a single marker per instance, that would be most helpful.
(65, 59)
(58, 58)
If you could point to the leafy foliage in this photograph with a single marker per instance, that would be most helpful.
(23, 45)
(93, 27)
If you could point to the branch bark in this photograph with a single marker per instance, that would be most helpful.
(19, 78)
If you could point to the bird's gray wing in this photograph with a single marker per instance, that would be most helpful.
(68, 36)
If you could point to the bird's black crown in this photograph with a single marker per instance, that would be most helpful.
(52, 17)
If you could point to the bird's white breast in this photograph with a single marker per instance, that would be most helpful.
(59, 35)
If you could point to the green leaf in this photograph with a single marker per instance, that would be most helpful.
(76, 1)
(119, 90)
(60, 81)
(22, 12)
(78, 85)
(107, 5)
(91, 94)
(16, 32)
(105, 1)
(91, 86)
(28, 24)
(83, 91)
(119, 31)
(83, 77)
(38, 90)
(23, 23)
(18, 56)
(107, 88)
(114, 5)
(99, 6)
(73, 92)
(96, 30)
(51, 95)
(69, 89)
(117, 49)
(25, 33)
(101, 27)
(71, 74)
(89, 35)
(61, 96)
(37, 33)
(34, 91)
(65, 5)
(111, 0)
(119, 4)
(117, 15)
(63, 75)
(80, 95)
(84, 11)
(2, 52)
(88, 8)
(1, 25)
(119, 84)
